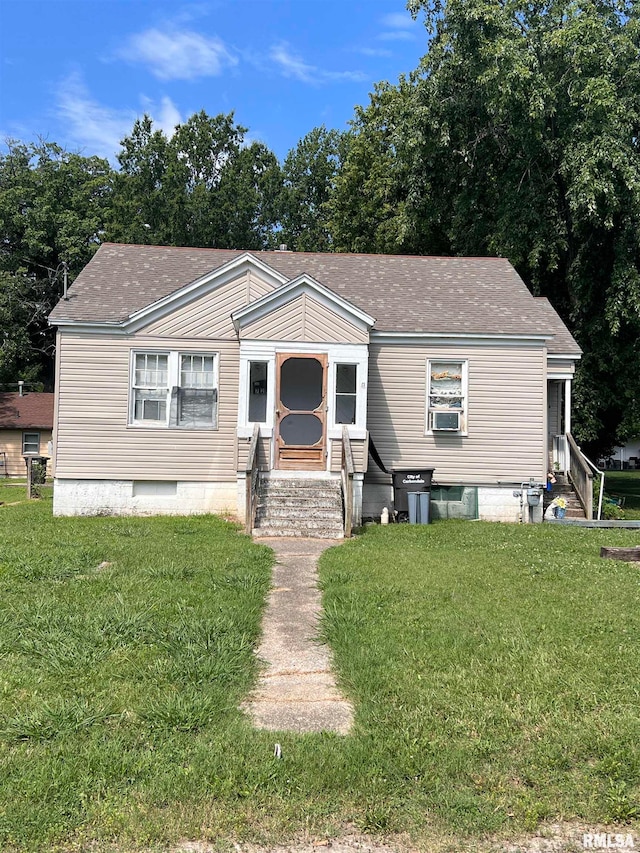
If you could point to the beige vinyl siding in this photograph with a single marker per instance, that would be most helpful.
(94, 440)
(210, 315)
(506, 405)
(560, 366)
(554, 408)
(358, 448)
(264, 453)
(11, 445)
(304, 319)
(54, 439)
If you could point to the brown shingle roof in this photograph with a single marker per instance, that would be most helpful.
(405, 293)
(31, 411)
(563, 341)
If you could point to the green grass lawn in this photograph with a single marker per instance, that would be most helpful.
(625, 484)
(494, 670)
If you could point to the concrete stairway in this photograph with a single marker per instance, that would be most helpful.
(563, 488)
(299, 507)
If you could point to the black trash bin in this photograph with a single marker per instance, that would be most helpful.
(407, 480)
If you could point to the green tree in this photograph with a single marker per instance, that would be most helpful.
(202, 187)
(518, 136)
(52, 208)
(246, 202)
(308, 172)
(149, 204)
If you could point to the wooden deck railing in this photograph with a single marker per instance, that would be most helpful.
(251, 480)
(581, 476)
(347, 471)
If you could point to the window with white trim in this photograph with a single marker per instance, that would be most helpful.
(346, 393)
(197, 394)
(447, 396)
(173, 389)
(257, 392)
(150, 387)
(30, 443)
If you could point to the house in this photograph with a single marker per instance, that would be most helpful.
(175, 366)
(623, 456)
(26, 424)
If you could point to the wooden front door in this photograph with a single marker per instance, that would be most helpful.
(301, 411)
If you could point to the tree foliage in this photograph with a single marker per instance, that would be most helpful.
(201, 187)
(52, 206)
(518, 136)
(308, 173)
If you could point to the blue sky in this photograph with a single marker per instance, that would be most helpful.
(79, 72)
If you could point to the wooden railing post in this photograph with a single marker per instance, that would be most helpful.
(581, 476)
(251, 481)
(347, 472)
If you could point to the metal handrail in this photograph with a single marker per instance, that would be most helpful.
(586, 498)
(347, 470)
(251, 480)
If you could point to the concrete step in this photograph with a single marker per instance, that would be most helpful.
(295, 506)
(299, 513)
(300, 532)
(309, 522)
(299, 487)
(308, 502)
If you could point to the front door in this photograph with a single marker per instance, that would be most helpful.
(301, 409)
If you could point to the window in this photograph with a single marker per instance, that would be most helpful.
(197, 395)
(258, 392)
(150, 386)
(175, 389)
(346, 393)
(446, 396)
(30, 443)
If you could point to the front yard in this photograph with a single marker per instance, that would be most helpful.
(494, 670)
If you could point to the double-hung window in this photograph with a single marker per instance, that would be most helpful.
(150, 387)
(173, 389)
(447, 396)
(197, 394)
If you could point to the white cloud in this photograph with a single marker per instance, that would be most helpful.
(165, 115)
(178, 54)
(98, 129)
(398, 27)
(91, 125)
(375, 51)
(295, 67)
(398, 21)
(396, 35)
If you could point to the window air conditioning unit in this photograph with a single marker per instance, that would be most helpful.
(445, 421)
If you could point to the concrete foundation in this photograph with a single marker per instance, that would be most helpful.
(495, 503)
(142, 497)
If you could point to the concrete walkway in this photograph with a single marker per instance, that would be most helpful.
(297, 691)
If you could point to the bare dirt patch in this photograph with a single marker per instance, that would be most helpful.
(568, 837)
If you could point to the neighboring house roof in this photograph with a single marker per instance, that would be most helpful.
(404, 293)
(31, 411)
